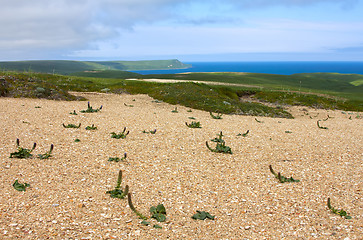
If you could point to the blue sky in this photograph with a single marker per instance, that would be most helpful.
(189, 30)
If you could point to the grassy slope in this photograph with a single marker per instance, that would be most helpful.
(67, 67)
(342, 85)
(199, 96)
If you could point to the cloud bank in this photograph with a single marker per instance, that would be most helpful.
(46, 29)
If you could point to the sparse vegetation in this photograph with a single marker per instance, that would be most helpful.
(133, 208)
(202, 215)
(117, 159)
(221, 146)
(121, 135)
(90, 109)
(340, 212)
(71, 125)
(318, 123)
(118, 192)
(158, 212)
(93, 127)
(47, 154)
(152, 131)
(73, 113)
(128, 105)
(20, 186)
(244, 134)
(258, 121)
(218, 116)
(281, 178)
(193, 124)
(22, 152)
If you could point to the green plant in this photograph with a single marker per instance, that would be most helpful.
(175, 110)
(47, 154)
(288, 132)
(258, 121)
(340, 212)
(91, 127)
(38, 107)
(220, 147)
(121, 135)
(193, 124)
(71, 125)
(133, 208)
(158, 213)
(90, 109)
(189, 110)
(73, 113)
(22, 152)
(193, 118)
(281, 178)
(77, 140)
(152, 132)
(128, 105)
(117, 192)
(218, 116)
(320, 126)
(244, 134)
(19, 186)
(202, 215)
(117, 159)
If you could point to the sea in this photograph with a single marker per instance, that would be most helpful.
(283, 68)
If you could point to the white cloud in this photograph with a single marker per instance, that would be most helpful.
(43, 28)
(274, 36)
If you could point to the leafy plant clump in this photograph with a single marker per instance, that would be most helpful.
(218, 116)
(158, 213)
(121, 135)
(175, 110)
(90, 109)
(22, 152)
(71, 125)
(340, 212)
(281, 178)
(20, 186)
(320, 126)
(117, 159)
(202, 215)
(193, 124)
(221, 145)
(133, 208)
(93, 127)
(118, 192)
(47, 154)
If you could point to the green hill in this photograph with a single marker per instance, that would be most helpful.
(341, 85)
(68, 67)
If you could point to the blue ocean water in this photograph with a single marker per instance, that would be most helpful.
(284, 68)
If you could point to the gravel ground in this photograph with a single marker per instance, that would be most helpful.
(67, 195)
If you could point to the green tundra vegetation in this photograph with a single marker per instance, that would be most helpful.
(318, 90)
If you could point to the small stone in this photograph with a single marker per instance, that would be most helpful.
(247, 227)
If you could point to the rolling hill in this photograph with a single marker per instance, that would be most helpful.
(68, 67)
